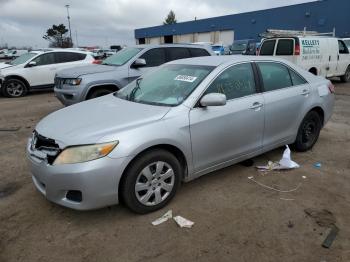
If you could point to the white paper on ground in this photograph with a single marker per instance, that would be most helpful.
(285, 163)
(163, 218)
(183, 222)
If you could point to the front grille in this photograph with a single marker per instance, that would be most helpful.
(59, 82)
(45, 145)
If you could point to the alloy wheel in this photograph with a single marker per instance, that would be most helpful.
(154, 183)
(14, 89)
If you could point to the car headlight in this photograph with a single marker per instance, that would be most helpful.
(79, 154)
(72, 81)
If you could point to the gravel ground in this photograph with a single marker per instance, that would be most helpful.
(235, 218)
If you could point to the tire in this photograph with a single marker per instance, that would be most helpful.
(14, 88)
(308, 132)
(153, 192)
(99, 92)
(346, 78)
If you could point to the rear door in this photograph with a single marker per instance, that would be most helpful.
(223, 133)
(285, 95)
(176, 53)
(153, 57)
(285, 49)
(333, 52)
(343, 58)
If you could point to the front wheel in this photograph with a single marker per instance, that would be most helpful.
(151, 181)
(308, 132)
(14, 88)
(346, 77)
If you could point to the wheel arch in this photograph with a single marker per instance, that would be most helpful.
(314, 70)
(18, 78)
(319, 110)
(111, 86)
(177, 152)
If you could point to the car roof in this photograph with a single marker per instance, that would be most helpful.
(219, 60)
(188, 45)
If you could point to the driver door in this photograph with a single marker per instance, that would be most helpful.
(222, 134)
(43, 73)
(153, 57)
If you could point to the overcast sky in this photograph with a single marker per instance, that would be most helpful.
(106, 22)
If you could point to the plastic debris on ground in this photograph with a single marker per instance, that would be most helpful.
(168, 215)
(285, 163)
(183, 222)
(317, 165)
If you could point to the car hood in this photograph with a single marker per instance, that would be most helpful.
(4, 65)
(85, 70)
(88, 122)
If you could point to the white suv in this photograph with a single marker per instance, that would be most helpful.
(39, 70)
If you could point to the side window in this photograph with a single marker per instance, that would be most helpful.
(45, 59)
(236, 81)
(296, 78)
(268, 47)
(176, 53)
(66, 57)
(154, 57)
(275, 76)
(285, 47)
(196, 52)
(342, 48)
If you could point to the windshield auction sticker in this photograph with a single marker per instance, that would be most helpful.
(184, 78)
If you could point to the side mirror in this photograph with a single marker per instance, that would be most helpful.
(213, 99)
(31, 64)
(139, 62)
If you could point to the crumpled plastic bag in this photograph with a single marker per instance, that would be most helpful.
(168, 215)
(183, 222)
(285, 163)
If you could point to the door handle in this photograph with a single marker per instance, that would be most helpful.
(256, 106)
(305, 92)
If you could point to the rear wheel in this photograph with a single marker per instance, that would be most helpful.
(346, 78)
(151, 181)
(99, 92)
(308, 132)
(14, 88)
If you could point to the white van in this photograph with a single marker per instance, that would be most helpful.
(320, 55)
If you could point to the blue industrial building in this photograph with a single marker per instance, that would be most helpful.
(321, 16)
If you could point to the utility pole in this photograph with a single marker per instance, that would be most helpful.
(70, 31)
(76, 38)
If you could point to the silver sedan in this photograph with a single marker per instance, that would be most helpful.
(181, 121)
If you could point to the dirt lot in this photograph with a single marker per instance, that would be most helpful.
(235, 218)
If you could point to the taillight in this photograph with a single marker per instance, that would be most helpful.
(98, 62)
(331, 87)
(257, 51)
(297, 49)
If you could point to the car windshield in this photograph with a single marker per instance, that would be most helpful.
(239, 46)
(22, 59)
(168, 85)
(121, 57)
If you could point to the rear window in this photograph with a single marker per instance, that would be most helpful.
(285, 47)
(195, 52)
(268, 47)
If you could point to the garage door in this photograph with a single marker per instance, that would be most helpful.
(185, 38)
(204, 37)
(154, 40)
(226, 37)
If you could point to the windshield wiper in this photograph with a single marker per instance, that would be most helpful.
(131, 97)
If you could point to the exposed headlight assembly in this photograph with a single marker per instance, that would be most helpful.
(72, 81)
(80, 154)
